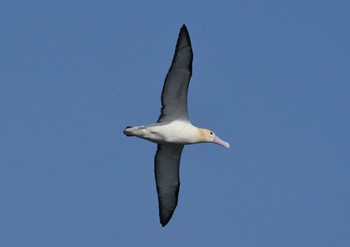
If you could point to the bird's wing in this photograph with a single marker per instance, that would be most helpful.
(166, 169)
(174, 94)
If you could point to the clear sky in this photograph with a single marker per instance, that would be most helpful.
(270, 77)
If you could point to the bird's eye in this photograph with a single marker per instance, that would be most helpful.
(211, 133)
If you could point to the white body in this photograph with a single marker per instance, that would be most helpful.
(178, 132)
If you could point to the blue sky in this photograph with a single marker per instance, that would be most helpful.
(270, 77)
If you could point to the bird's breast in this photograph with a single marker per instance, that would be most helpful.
(179, 132)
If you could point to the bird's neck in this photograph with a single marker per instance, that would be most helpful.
(202, 134)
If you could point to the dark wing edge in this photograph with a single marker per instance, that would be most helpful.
(174, 93)
(166, 169)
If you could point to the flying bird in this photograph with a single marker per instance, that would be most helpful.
(173, 129)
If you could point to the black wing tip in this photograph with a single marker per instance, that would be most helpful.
(184, 31)
(183, 41)
(164, 221)
(165, 215)
(163, 224)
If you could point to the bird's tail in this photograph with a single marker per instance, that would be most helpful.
(129, 131)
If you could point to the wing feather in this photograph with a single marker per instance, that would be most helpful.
(174, 93)
(166, 169)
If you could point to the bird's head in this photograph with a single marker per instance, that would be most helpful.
(209, 136)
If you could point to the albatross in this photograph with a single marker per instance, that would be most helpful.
(173, 129)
